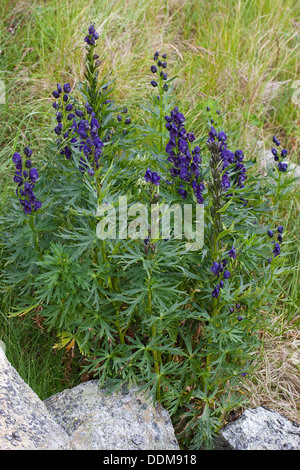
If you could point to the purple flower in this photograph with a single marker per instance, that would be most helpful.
(17, 158)
(232, 253)
(152, 177)
(28, 152)
(225, 181)
(216, 291)
(239, 155)
(282, 166)
(33, 175)
(226, 274)
(92, 36)
(222, 136)
(25, 181)
(182, 145)
(67, 88)
(276, 250)
(212, 133)
(186, 161)
(215, 268)
(270, 233)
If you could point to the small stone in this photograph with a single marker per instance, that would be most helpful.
(260, 429)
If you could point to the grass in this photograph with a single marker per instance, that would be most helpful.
(238, 56)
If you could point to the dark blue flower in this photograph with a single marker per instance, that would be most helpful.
(232, 253)
(186, 161)
(152, 177)
(239, 155)
(225, 181)
(222, 136)
(17, 158)
(282, 166)
(216, 291)
(215, 268)
(276, 250)
(67, 88)
(92, 36)
(25, 181)
(33, 175)
(28, 152)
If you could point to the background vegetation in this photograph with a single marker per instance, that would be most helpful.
(238, 56)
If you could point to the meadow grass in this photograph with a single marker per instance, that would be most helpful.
(238, 56)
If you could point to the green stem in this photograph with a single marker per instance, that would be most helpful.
(155, 353)
(35, 237)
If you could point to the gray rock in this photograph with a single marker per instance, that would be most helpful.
(260, 429)
(25, 422)
(97, 421)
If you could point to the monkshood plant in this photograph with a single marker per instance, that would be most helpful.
(139, 305)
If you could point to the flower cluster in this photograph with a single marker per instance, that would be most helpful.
(92, 36)
(64, 112)
(152, 177)
(219, 268)
(186, 161)
(64, 90)
(281, 165)
(276, 250)
(82, 134)
(26, 176)
(238, 307)
(158, 68)
(229, 158)
(88, 142)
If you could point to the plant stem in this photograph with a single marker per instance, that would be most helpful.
(35, 237)
(155, 353)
